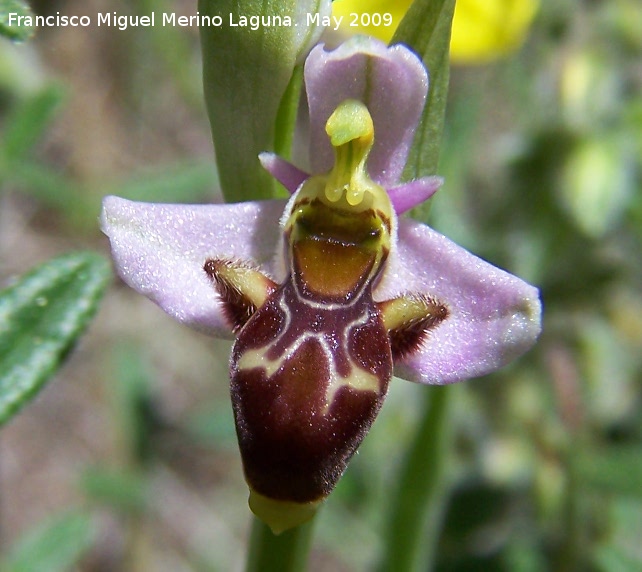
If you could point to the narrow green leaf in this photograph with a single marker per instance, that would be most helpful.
(287, 115)
(55, 546)
(426, 29)
(125, 491)
(188, 182)
(44, 183)
(134, 402)
(421, 495)
(246, 72)
(615, 559)
(29, 120)
(419, 502)
(41, 316)
(13, 31)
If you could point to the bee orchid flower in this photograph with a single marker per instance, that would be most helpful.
(330, 293)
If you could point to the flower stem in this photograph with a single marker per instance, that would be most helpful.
(287, 552)
(420, 499)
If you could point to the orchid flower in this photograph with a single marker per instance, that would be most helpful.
(330, 293)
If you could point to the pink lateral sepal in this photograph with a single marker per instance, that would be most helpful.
(408, 195)
(286, 173)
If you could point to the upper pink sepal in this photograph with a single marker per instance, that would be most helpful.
(393, 84)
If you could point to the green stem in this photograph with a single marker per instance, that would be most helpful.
(287, 552)
(420, 499)
(573, 516)
(286, 116)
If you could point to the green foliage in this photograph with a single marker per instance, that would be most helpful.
(41, 316)
(243, 107)
(616, 470)
(542, 160)
(126, 492)
(545, 181)
(25, 125)
(14, 32)
(28, 122)
(182, 182)
(426, 29)
(419, 500)
(21, 168)
(55, 546)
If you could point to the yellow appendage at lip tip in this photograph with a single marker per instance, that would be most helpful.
(281, 515)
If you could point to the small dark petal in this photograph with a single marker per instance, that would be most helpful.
(409, 336)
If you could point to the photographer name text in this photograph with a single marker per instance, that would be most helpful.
(122, 22)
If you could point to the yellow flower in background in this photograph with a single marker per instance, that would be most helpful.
(483, 30)
(357, 12)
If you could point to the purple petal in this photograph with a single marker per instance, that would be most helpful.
(286, 173)
(413, 193)
(159, 250)
(494, 316)
(392, 82)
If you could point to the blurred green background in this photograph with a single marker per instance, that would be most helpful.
(128, 459)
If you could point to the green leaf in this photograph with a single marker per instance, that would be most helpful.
(55, 546)
(134, 402)
(188, 182)
(615, 559)
(426, 29)
(48, 185)
(27, 123)
(616, 470)
(125, 491)
(421, 493)
(619, 550)
(287, 115)
(13, 31)
(597, 183)
(41, 316)
(246, 73)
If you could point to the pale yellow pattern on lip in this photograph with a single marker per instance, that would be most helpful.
(252, 359)
(359, 379)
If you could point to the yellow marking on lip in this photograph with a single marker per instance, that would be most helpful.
(258, 358)
(359, 379)
(330, 269)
